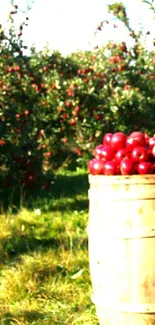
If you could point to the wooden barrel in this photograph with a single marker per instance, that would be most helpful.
(121, 236)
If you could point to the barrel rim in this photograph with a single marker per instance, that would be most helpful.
(124, 179)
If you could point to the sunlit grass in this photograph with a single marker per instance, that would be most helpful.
(44, 268)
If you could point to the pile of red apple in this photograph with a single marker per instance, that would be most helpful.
(120, 154)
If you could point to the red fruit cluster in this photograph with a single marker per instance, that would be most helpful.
(120, 154)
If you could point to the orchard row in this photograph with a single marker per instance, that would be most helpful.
(55, 109)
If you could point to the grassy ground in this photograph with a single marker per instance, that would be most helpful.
(44, 269)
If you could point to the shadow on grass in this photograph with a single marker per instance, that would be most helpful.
(14, 247)
(61, 198)
(64, 187)
(69, 186)
(61, 206)
(61, 186)
(39, 239)
(29, 316)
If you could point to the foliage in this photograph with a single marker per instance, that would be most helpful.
(54, 109)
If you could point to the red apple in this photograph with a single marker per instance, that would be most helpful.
(137, 135)
(121, 67)
(145, 167)
(121, 154)
(135, 139)
(103, 152)
(135, 168)
(153, 151)
(77, 109)
(107, 138)
(118, 141)
(150, 153)
(96, 166)
(153, 167)
(151, 142)
(110, 168)
(118, 171)
(147, 138)
(126, 166)
(139, 154)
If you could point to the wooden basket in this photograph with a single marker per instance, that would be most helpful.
(121, 235)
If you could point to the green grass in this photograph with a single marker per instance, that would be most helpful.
(44, 267)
